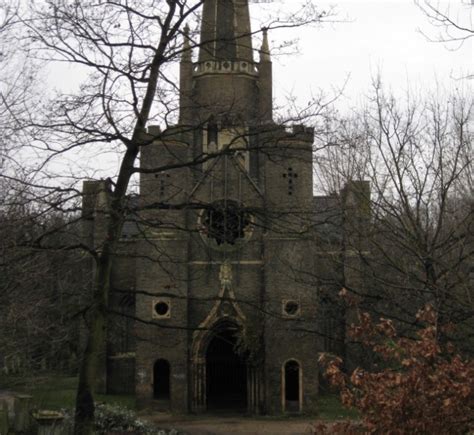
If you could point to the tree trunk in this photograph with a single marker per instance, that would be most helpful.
(84, 415)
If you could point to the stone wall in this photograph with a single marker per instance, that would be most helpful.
(15, 413)
(121, 374)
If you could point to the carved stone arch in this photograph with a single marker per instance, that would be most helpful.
(203, 336)
(224, 316)
(201, 340)
(226, 310)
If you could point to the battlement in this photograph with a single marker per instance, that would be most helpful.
(154, 130)
(297, 132)
(299, 129)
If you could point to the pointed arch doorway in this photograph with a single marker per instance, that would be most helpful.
(226, 373)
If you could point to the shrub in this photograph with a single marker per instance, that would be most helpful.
(112, 418)
(426, 387)
(115, 420)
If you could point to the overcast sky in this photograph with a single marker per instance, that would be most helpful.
(378, 35)
(372, 36)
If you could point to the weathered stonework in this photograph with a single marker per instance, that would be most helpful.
(225, 232)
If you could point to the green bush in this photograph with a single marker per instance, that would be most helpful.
(118, 418)
(111, 419)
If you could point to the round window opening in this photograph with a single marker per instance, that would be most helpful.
(162, 308)
(226, 223)
(292, 308)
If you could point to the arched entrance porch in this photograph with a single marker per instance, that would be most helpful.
(222, 379)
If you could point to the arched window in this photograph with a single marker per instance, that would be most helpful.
(212, 133)
(292, 387)
(161, 380)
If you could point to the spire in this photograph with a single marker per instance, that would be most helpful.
(226, 78)
(186, 80)
(265, 109)
(186, 55)
(265, 48)
(225, 31)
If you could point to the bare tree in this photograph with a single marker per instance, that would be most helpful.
(40, 291)
(343, 153)
(417, 248)
(452, 27)
(124, 49)
(454, 23)
(18, 82)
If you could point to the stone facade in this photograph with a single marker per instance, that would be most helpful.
(216, 295)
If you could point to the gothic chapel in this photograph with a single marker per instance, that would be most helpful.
(215, 301)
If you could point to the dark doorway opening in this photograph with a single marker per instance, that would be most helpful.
(226, 374)
(292, 386)
(161, 380)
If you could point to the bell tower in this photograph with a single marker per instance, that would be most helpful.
(224, 232)
(220, 281)
(226, 83)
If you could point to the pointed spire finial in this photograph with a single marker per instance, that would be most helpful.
(187, 51)
(265, 48)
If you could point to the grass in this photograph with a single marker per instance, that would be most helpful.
(58, 392)
(329, 407)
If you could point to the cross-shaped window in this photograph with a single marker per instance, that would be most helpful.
(291, 176)
(163, 180)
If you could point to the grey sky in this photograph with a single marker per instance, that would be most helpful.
(379, 35)
(376, 35)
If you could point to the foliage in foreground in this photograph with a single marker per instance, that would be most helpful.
(115, 419)
(425, 387)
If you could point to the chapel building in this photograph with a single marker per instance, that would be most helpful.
(218, 287)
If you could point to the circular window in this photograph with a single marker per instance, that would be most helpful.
(162, 308)
(225, 224)
(291, 308)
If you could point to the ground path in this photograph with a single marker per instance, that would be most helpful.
(217, 425)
